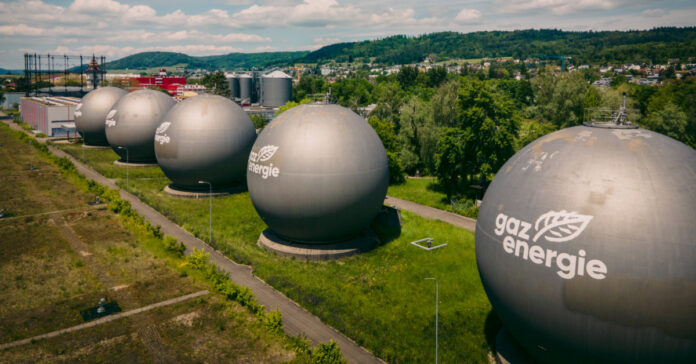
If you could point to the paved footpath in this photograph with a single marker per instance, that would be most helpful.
(432, 213)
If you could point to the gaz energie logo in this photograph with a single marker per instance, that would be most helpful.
(556, 227)
(110, 121)
(263, 155)
(160, 136)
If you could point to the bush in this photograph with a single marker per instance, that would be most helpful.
(198, 259)
(327, 354)
(396, 171)
(174, 246)
(274, 321)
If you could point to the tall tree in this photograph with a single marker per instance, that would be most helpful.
(491, 124)
(217, 84)
(385, 131)
(450, 160)
(445, 104)
(560, 98)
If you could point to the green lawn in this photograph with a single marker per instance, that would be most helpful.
(380, 299)
(426, 191)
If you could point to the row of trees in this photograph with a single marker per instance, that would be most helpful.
(462, 128)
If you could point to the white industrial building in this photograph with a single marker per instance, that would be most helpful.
(53, 116)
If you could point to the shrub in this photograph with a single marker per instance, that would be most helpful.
(274, 321)
(174, 246)
(327, 354)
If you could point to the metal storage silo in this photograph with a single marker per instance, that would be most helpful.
(276, 89)
(245, 88)
(234, 86)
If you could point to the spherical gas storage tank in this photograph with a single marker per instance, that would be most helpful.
(204, 138)
(586, 243)
(91, 112)
(318, 174)
(276, 89)
(132, 123)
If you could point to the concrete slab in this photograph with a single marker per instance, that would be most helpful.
(87, 146)
(120, 163)
(366, 240)
(176, 191)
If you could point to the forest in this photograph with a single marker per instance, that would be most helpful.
(639, 46)
(461, 128)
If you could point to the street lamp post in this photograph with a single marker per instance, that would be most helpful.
(210, 199)
(127, 162)
(436, 311)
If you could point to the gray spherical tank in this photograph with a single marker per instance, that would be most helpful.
(318, 173)
(132, 123)
(586, 243)
(91, 112)
(204, 138)
(276, 89)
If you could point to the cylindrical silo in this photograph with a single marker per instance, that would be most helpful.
(234, 86)
(245, 89)
(276, 89)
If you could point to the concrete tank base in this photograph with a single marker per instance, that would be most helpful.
(121, 163)
(177, 191)
(508, 351)
(366, 240)
(88, 146)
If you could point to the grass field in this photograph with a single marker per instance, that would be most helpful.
(380, 299)
(426, 191)
(55, 265)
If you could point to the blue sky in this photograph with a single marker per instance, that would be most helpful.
(117, 28)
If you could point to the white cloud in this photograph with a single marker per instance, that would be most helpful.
(20, 29)
(98, 6)
(113, 52)
(654, 13)
(468, 16)
(558, 7)
(325, 14)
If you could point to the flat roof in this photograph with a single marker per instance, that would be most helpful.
(54, 101)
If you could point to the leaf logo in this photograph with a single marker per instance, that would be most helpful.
(110, 118)
(163, 127)
(266, 153)
(560, 226)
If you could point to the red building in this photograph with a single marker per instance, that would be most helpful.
(171, 84)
